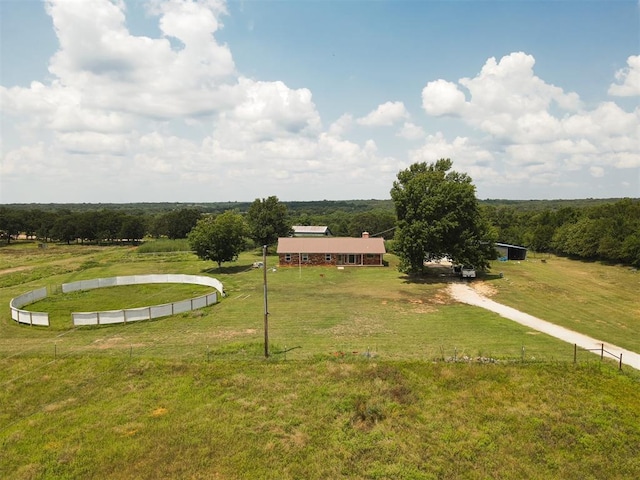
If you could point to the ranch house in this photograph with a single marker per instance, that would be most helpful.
(332, 251)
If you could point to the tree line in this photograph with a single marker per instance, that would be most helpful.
(105, 226)
(434, 211)
(609, 232)
(102, 226)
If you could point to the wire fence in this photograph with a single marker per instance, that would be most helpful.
(165, 347)
(599, 351)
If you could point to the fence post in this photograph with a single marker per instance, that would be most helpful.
(602, 352)
(620, 365)
(575, 353)
(523, 353)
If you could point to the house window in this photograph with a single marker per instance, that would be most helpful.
(351, 258)
(305, 257)
(327, 257)
(287, 257)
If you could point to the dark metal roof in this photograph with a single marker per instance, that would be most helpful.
(506, 245)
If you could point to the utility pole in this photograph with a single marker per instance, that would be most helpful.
(266, 309)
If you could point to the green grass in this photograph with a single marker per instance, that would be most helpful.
(60, 305)
(324, 311)
(316, 419)
(164, 245)
(191, 396)
(589, 297)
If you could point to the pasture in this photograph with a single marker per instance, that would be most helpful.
(367, 388)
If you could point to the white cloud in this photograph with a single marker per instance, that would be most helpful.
(510, 86)
(533, 130)
(506, 100)
(629, 78)
(342, 125)
(411, 131)
(462, 150)
(386, 114)
(119, 71)
(441, 97)
(266, 109)
(170, 113)
(92, 142)
(25, 160)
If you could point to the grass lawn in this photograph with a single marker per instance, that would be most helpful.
(595, 299)
(324, 311)
(366, 395)
(316, 419)
(60, 304)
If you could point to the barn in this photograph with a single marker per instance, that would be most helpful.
(331, 251)
(511, 252)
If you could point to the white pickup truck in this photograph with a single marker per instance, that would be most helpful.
(467, 271)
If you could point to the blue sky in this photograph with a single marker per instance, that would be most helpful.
(196, 101)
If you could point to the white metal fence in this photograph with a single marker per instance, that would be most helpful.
(25, 316)
(124, 315)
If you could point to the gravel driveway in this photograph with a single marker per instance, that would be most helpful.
(462, 292)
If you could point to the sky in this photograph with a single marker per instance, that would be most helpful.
(119, 101)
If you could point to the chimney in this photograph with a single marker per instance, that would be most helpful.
(365, 234)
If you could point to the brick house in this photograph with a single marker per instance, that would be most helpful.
(332, 251)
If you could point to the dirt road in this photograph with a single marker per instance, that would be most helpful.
(462, 292)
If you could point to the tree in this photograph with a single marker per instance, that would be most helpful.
(376, 222)
(133, 228)
(219, 239)
(439, 214)
(86, 226)
(11, 224)
(267, 219)
(180, 222)
(64, 228)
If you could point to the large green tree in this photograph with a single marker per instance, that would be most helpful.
(180, 222)
(439, 214)
(219, 239)
(267, 219)
(376, 222)
(65, 228)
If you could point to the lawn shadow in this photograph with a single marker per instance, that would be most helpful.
(429, 278)
(489, 277)
(443, 274)
(228, 270)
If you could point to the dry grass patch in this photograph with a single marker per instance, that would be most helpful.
(159, 412)
(484, 288)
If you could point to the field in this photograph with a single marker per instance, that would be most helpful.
(361, 381)
(597, 300)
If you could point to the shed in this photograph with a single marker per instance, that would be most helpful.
(511, 252)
